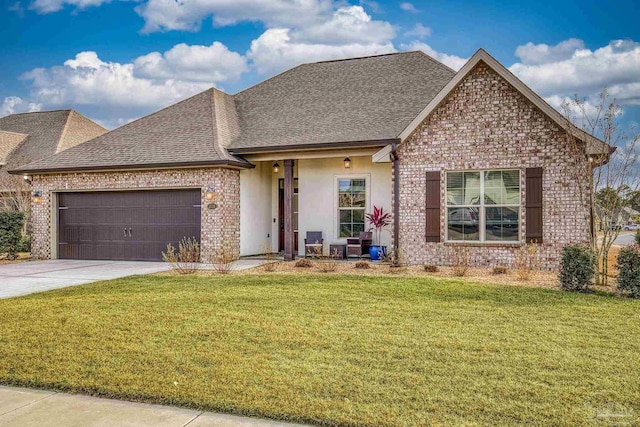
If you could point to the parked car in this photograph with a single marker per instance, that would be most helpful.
(631, 227)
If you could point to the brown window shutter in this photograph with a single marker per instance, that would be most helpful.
(433, 207)
(533, 205)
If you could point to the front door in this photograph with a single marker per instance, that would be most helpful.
(281, 214)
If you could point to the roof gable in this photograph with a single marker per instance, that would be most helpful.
(8, 142)
(594, 145)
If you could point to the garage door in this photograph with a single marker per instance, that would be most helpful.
(127, 225)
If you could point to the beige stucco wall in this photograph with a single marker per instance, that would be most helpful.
(255, 209)
(486, 124)
(319, 198)
(220, 227)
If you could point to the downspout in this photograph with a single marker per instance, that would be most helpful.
(396, 196)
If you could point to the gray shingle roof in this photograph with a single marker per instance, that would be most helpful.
(183, 134)
(46, 133)
(352, 100)
(361, 99)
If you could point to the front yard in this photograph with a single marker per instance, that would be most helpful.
(334, 349)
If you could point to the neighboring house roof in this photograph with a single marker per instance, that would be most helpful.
(28, 137)
(594, 145)
(8, 142)
(343, 101)
(192, 132)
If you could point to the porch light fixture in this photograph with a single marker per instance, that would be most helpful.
(36, 197)
(347, 163)
(276, 167)
(209, 194)
(27, 179)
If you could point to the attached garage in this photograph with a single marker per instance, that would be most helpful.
(125, 225)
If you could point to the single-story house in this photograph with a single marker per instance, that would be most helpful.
(472, 158)
(27, 137)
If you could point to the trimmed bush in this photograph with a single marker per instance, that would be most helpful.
(499, 269)
(577, 270)
(430, 268)
(638, 236)
(304, 263)
(11, 233)
(629, 270)
(362, 265)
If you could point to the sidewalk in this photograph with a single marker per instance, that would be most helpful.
(25, 407)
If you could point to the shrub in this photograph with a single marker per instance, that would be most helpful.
(11, 224)
(363, 265)
(629, 270)
(186, 259)
(577, 269)
(223, 262)
(460, 259)
(638, 236)
(25, 244)
(395, 258)
(526, 261)
(499, 269)
(326, 263)
(304, 263)
(271, 266)
(431, 268)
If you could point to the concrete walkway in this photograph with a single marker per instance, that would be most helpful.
(37, 276)
(25, 408)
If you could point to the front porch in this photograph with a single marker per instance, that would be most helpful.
(288, 195)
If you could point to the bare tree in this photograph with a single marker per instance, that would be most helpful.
(15, 195)
(616, 172)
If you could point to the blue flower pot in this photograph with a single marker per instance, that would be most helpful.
(377, 252)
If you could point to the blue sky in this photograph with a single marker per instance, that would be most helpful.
(117, 60)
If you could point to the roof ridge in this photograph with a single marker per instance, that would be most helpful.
(40, 112)
(14, 133)
(433, 59)
(361, 57)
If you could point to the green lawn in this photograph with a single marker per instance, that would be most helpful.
(333, 350)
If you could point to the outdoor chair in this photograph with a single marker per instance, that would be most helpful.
(360, 246)
(313, 244)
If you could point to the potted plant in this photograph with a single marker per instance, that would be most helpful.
(378, 221)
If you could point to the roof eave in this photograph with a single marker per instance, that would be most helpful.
(318, 146)
(150, 166)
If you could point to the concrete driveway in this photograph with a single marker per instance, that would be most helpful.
(37, 276)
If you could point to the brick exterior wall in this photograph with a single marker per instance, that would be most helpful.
(220, 227)
(485, 123)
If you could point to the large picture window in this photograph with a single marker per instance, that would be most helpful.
(352, 202)
(483, 206)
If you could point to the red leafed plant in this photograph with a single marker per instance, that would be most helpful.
(379, 219)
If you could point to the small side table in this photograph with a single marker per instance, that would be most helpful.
(339, 248)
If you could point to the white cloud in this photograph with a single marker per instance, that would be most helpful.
(408, 7)
(114, 93)
(347, 25)
(15, 104)
(419, 31)
(163, 15)
(349, 32)
(572, 69)
(275, 51)
(211, 64)
(542, 53)
(49, 6)
(451, 61)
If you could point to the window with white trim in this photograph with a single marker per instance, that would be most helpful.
(352, 202)
(483, 206)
